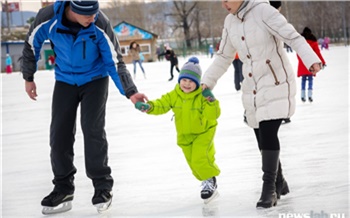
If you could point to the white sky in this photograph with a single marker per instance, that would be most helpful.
(151, 175)
(35, 5)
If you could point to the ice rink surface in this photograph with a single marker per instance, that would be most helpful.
(150, 171)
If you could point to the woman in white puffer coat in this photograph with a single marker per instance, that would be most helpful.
(257, 32)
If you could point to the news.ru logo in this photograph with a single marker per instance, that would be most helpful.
(312, 214)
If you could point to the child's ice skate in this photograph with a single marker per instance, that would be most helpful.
(209, 190)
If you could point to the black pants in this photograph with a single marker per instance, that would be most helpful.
(172, 65)
(92, 98)
(267, 135)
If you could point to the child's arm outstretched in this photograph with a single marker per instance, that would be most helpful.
(156, 107)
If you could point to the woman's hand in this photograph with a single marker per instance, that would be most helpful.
(315, 68)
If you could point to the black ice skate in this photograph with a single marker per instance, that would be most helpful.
(309, 95)
(209, 191)
(102, 200)
(57, 202)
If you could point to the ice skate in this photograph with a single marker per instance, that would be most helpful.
(209, 190)
(309, 95)
(57, 202)
(102, 200)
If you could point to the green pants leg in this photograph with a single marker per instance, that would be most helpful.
(200, 155)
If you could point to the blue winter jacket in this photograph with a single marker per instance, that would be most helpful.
(91, 54)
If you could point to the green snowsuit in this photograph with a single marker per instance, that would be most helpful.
(195, 121)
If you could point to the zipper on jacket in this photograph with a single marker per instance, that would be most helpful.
(273, 72)
(84, 49)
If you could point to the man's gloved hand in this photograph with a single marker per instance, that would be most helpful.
(208, 95)
(142, 106)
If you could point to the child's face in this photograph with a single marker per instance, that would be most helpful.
(187, 85)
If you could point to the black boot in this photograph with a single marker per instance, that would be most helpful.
(270, 159)
(281, 184)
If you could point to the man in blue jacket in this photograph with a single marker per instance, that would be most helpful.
(87, 52)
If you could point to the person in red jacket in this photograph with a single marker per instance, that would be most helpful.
(303, 72)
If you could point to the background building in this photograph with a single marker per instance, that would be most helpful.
(128, 33)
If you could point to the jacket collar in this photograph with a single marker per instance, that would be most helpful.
(247, 6)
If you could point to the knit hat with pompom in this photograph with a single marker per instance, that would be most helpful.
(191, 70)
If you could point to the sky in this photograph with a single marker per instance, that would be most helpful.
(151, 176)
(35, 5)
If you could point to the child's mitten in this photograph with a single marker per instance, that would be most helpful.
(208, 95)
(142, 106)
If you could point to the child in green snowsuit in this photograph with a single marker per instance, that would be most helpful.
(196, 115)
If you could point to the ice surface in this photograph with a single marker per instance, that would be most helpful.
(150, 172)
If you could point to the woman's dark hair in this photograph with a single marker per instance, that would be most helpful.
(307, 33)
(131, 44)
(276, 4)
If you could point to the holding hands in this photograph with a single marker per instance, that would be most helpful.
(315, 68)
(138, 97)
(144, 107)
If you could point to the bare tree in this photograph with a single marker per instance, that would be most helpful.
(202, 20)
(183, 18)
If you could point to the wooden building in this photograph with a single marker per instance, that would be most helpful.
(128, 33)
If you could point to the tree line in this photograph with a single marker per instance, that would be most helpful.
(198, 23)
(194, 22)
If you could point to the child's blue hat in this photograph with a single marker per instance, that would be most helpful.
(191, 70)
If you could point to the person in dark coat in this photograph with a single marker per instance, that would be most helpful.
(172, 57)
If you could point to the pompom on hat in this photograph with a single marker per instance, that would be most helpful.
(83, 7)
(191, 70)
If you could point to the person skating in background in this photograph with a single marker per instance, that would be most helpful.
(217, 46)
(257, 31)
(196, 113)
(158, 52)
(303, 72)
(87, 52)
(51, 61)
(325, 43)
(8, 63)
(238, 75)
(288, 48)
(171, 56)
(211, 51)
(135, 52)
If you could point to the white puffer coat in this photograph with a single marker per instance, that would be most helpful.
(257, 33)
